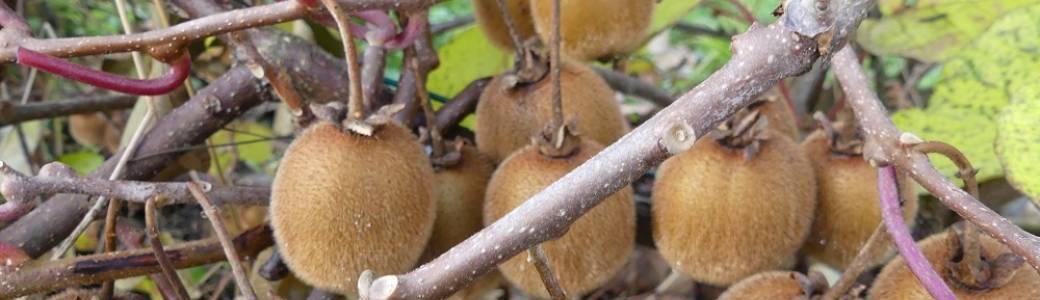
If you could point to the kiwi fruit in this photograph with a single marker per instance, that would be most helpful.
(847, 211)
(342, 203)
(94, 129)
(776, 285)
(460, 191)
(595, 29)
(489, 18)
(595, 247)
(896, 282)
(732, 206)
(507, 115)
(781, 117)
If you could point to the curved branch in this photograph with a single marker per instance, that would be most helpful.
(883, 146)
(892, 214)
(178, 72)
(634, 86)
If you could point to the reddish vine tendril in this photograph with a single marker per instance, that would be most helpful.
(150, 87)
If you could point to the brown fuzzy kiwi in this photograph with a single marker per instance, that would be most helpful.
(593, 249)
(722, 212)
(896, 282)
(781, 117)
(508, 116)
(776, 285)
(94, 129)
(489, 18)
(460, 202)
(847, 203)
(595, 29)
(342, 203)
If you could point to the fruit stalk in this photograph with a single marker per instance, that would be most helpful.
(883, 147)
(893, 219)
(552, 283)
(428, 113)
(507, 18)
(858, 265)
(356, 102)
(554, 62)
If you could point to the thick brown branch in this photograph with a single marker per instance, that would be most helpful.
(94, 269)
(762, 56)
(884, 145)
(11, 113)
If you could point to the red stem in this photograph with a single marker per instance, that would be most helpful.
(408, 36)
(157, 86)
(892, 214)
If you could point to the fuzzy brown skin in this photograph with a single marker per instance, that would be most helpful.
(489, 18)
(460, 203)
(591, 252)
(847, 209)
(897, 283)
(719, 218)
(507, 118)
(594, 29)
(94, 130)
(773, 285)
(342, 203)
(780, 117)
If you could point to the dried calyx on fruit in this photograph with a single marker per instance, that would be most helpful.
(847, 207)
(739, 202)
(334, 216)
(777, 285)
(595, 29)
(509, 114)
(780, 115)
(1002, 274)
(595, 247)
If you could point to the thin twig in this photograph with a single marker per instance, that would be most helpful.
(864, 259)
(634, 86)
(549, 278)
(102, 202)
(94, 269)
(554, 62)
(225, 240)
(16, 113)
(428, 113)
(169, 272)
(892, 214)
(463, 104)
(511, 27)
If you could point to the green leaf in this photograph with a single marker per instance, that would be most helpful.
(1018, 145)
(933, 31)
(976, 87)
(468, 56)
(667, 12)
(11, 148)
(83, 161)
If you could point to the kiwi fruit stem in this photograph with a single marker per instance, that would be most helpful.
(420, 89)
(356, 101)
(968, 270)
(527, 65)
(858, 265)
(552, 283)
